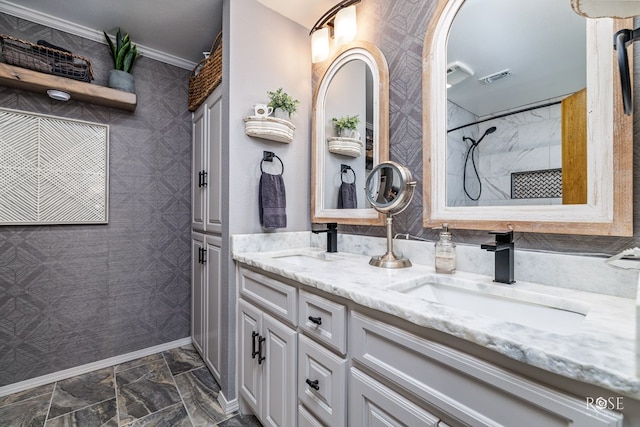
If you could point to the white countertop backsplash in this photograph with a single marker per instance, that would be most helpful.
(602, 352)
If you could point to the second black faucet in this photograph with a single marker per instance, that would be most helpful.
(504, 249)
(332, 236)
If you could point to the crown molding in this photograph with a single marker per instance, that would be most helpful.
(87, 33)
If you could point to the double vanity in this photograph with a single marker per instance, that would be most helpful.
(327, 339)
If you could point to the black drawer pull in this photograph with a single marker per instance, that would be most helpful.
(316, 320)
(204, 178)
(313, 384)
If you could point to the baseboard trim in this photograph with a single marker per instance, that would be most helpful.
(228, 406)
(83, 369)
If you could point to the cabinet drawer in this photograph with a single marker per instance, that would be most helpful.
(373, 404)
(324, 320)
(322, 381)
(468, 389)
(274, 296)
(306, 418)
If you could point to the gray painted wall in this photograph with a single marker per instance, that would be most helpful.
(264, 51)
(71, 295)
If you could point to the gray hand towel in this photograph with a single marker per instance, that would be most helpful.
(347, 198)
(272, 201)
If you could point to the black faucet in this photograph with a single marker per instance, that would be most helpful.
(504, 249)
(332, 236)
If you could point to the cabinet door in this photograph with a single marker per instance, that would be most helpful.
(249, 371)
(214, 164)
(280, 373)
(373, 405)
(197, 292)
(212, 308)
(198, 168)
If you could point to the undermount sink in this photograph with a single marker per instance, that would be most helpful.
(309, 258)
(556, 315)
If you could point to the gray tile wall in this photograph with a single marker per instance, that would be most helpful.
(398, 29)
(70, 295)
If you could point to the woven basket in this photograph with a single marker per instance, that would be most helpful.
(44, 59)
(206, 76)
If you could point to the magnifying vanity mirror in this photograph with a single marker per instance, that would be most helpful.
(522, 131)
(389, 189)
(350, 134)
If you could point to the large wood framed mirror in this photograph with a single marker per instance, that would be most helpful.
(521, 131)
(354, 84)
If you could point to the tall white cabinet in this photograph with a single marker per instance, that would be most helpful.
(206, 256)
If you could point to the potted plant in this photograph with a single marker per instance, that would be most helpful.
(282, 104)
(123, 53)
(347, 126)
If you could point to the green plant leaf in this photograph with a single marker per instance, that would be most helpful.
(121, 55)
(129, 58)
(112, 48)
(118, 40)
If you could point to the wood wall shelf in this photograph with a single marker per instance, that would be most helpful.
(34, 81)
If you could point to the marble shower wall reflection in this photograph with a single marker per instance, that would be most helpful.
(398, 29)
(523, 142)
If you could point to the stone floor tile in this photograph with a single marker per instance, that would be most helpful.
(103, 414)
(81, 391)
(183, 359)
(145, 390)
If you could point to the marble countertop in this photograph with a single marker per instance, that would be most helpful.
(601, 352)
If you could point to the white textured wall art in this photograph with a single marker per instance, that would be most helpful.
(52, 170)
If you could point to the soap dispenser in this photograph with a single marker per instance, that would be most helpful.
(445, 252)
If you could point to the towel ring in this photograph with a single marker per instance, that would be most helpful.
(345, 169)
(267, 156)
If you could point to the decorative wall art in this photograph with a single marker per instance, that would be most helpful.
(52, 170)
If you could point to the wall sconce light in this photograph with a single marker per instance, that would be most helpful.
(58, 95)
(342, 17)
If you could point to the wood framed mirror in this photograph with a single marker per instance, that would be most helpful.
(354, 84)
(604, 207)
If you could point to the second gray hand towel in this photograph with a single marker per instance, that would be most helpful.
(347, 197)
(272, 201)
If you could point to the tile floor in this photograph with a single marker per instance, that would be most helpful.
(172, 388)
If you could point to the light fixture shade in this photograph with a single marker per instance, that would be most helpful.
(345, 25)
(58, 95)
(320, 45)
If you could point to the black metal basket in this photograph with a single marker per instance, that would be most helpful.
(44, 59)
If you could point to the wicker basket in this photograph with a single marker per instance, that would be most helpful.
(44, 59)
(206, 76)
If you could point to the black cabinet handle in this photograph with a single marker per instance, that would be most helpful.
(199, 255)
(254, 352)
(313, 384)
(261, 358)
(202, 179)
(204, 255)
(316, 320)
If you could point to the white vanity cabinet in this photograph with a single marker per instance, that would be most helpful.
(205, 299)
(267, 347)
(459, 386)
(308, 358)
(206, 182)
